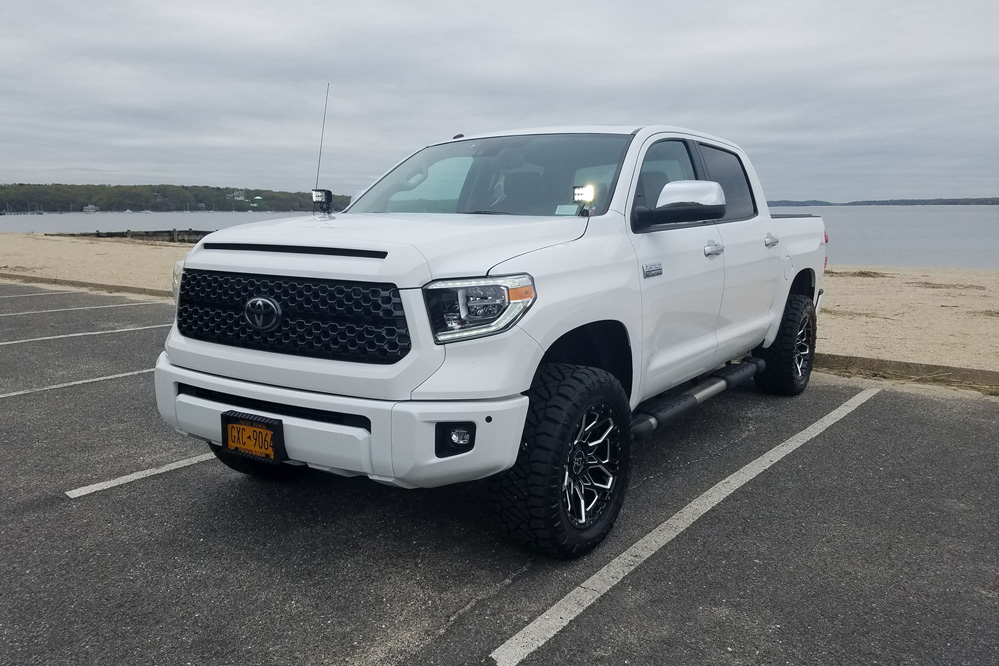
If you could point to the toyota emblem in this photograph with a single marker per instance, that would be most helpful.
(262, 313)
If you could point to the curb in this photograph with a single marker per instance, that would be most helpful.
(87, 285)
(917, 372)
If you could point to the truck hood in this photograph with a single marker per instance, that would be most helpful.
(417, 248)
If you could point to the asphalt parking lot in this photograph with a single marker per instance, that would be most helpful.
(873, 541)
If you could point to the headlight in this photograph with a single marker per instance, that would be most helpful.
(472, 308)
(178, 271)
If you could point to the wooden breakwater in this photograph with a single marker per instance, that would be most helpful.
(167, 235)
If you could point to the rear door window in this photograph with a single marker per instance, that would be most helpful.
(726, 169)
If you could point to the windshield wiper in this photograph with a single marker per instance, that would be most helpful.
(485, 212)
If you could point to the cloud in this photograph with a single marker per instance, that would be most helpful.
(832, 100)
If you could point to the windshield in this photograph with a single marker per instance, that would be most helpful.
(509, 175)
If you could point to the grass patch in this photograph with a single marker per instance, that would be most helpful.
(937, 285)
(859, 274)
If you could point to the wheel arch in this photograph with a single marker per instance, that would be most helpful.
(599, 344)
(804, 284)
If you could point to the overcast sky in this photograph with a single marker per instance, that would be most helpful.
(837, 100)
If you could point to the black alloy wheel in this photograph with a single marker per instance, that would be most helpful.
(592, 467)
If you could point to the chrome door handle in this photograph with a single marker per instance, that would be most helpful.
(713, 249)
(771, 240)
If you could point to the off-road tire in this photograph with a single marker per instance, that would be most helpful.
(260, 470)
(792, 355)
(577, 439)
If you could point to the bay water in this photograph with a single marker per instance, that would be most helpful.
(913, 236)
(50, 223)
(916, 236)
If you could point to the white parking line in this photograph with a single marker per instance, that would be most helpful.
(549, 623)
(79, 335)
(77, 383)
(89, 307)
(39, 293)
(86, 490)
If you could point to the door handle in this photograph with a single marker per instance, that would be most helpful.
(771, 240)
(713, 249)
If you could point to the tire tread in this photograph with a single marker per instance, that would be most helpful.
(523, 501)
(779, 377)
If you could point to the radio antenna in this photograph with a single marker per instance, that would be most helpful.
(322, 199)
(322, 134)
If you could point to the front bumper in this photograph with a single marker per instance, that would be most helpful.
(388, 441)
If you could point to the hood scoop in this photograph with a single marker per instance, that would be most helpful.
(298, 249)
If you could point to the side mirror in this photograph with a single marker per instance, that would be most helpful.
(684, 201)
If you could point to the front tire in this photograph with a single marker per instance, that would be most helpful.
(564, 493)
(792, 355)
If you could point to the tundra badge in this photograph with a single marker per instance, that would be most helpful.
(652, 270)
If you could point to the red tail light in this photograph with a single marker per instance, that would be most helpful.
(826, 265)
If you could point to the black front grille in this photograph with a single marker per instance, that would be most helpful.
(361, 322)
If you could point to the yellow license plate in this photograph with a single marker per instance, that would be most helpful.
(255, 436)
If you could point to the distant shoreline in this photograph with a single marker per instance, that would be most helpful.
(57, 198)
(22, 198)
(984, 201)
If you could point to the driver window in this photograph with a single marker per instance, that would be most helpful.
(665, 162)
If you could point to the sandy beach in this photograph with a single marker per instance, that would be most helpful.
(939, 317)
(933, 316)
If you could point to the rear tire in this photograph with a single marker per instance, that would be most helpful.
(566, 489)
(260, 470)
(792, 355)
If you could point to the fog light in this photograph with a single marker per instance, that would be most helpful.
(454, 438)
(322, 201)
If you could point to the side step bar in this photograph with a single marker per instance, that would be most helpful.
(652, 414)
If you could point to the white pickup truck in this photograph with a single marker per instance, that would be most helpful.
(518, 305)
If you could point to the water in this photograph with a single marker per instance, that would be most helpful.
(83, 222)
(917, 236)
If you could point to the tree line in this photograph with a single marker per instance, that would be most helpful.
(24, 198)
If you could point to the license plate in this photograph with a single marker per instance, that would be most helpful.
(257, 437)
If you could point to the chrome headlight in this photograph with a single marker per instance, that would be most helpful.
(475, 307)
(178, 272)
